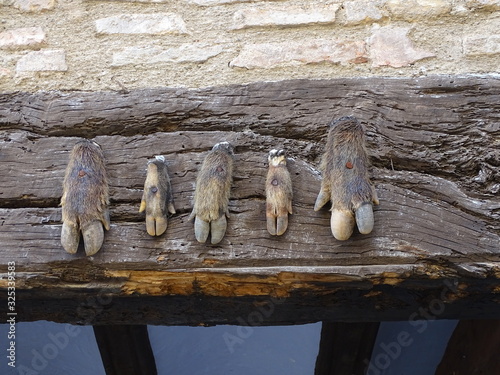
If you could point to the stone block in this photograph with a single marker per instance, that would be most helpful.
(357, 12)
(476, 45)
(488, 4)
(33, 5)
(270, 55)
(391, 46)
(154, 23)
(151, 55)
(418, 9)
(25, 37)
(284, 15)
(43, 60)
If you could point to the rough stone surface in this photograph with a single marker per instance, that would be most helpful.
(495, 4)
(417, 9)
(391, 46)
(44, 60)
(270, 55)
(33, 5)
(216, 2)
(357, 12)
(475, 45)
(284, 15)
(96, 51)
(152, 55)
(161, 23)
(25, 37)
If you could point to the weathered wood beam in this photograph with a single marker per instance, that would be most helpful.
(472, 349)
(434, 147)
(345, 348)
(125, 350)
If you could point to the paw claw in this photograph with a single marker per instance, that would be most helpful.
(271, 225)
(342, 224)
(161, 225)
(364, 218)
(93, 237)
(218, 229)
(282, 224)
(201, 230)
(70, 237)
(321, 200)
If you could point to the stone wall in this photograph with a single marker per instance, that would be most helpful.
(126, 44)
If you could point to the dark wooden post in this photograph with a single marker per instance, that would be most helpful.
(345, 348)
(125, 350)
(473, 349)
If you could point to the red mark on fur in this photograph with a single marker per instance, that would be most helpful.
(81, 173)
(349, 165)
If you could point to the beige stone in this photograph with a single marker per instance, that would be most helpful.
(418, 9)
(476, 45)
(22, 38)
(154, 23)
(357, 12)
(33, 5)
(391, 46)
(216, 2)
(270, 55)
(493, 4)
(284, 15)
(5, 73)
(43, 60)
(151, 55)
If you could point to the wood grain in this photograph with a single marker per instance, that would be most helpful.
(435, 147)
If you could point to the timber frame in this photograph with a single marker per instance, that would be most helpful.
(434, 143)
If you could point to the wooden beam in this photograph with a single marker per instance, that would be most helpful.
(472, 349)
(125, 350)
(434, 147)
(345, 348)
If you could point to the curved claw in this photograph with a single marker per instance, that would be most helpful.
(342, 224)
(282, 224)
(70, 237)
(201, 229)
(321, 200)
(364, 218)
(93, 237)
(218, 229)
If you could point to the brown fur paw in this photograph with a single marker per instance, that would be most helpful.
(211, 196)
(279, 193)
(157, 198)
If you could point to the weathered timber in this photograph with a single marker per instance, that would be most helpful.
(435, 147)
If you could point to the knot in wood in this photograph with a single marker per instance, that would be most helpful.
(274, 182)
